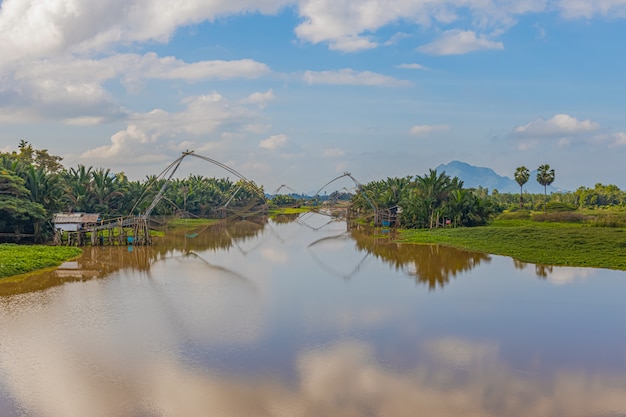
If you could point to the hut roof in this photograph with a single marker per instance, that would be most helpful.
(75, 218)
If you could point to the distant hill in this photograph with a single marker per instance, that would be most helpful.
(474, 176)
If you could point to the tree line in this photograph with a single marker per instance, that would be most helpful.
(428, 201)
(600, 196)
(34, 185)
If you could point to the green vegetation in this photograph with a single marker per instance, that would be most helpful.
(430, 201)
(282, 200)
(21, 259)
(34, 185)
(190, 222)
(522, 174)
(17, 211)
(545, 177)
(542, 242)
(289, 210)
(584, 227)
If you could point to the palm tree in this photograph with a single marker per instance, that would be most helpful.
(545, 177)
(79, 189)
(105, 188)
(434, 190)
(522, 174)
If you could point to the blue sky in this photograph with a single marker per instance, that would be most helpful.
(297, 92)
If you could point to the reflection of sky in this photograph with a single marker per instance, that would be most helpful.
(269, 331)
(559, 275)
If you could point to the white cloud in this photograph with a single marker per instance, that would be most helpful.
(260, 99)
(563, 130)
(274, 142)
(32, 28)
(557, 126)
(350, 26)
(151, 66)
(340, 23)
(149, 135)
(73, 89)
(349, 76)
(619, 139)
(84, 121)
(419, 130)
(572, 9)
(457, 42)
(352, 44)
(396, 38)
(411, 66)
(129, 144)
(35, 29)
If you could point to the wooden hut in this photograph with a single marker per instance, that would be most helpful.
(73, 223)
(388, 217)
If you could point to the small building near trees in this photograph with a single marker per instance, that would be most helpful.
(74, 222)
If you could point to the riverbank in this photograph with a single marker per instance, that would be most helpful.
(191, 222)
(547, 243)
(22, 259)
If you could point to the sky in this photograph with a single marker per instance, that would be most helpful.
(297, 92)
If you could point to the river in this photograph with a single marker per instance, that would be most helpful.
(299, 316)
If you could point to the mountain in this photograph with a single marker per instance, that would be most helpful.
(474, 176)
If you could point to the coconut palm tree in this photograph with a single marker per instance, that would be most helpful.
(522, 174)
(545, 177)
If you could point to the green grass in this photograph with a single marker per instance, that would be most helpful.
(289, 210)
(191, 222)
(22, 259)
(547, 243)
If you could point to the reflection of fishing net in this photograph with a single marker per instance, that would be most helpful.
(310, 220)
(197, 304)
(326, 259)
(251, 208)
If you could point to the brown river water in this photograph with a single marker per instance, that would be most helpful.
(300, 316)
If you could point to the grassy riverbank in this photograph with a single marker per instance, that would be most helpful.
(21, 259)
(289, 210)
(548, 243)
(196, 222)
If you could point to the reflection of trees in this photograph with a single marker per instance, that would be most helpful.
(214, 236)
(101, 261)
(542, 271)
(95, 262)
(285, 218)
(430, 264)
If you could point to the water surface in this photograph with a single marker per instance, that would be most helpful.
(300, 316)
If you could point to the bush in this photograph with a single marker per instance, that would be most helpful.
(559, 206)
(607, 221)
(559, 216)
(515, 215)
